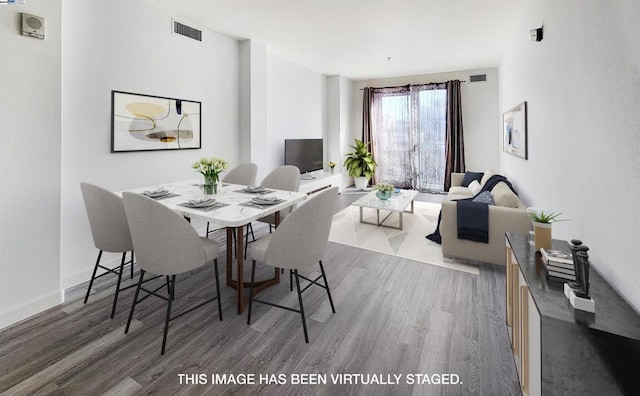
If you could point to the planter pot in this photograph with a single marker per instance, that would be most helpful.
(361, 182)
(542, 235)
(383, 194)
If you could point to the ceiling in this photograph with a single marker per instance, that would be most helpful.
(364, 39)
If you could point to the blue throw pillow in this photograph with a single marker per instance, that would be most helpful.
(471, 176)
(484, 197)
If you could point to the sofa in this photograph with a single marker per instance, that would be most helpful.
(508, 213)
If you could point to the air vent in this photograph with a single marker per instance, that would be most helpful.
(478, 77)
(187, 31)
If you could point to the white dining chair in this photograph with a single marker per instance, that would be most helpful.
(166, 244)
(110, 232)
(287, 178)
(243, 174)
(298, 243)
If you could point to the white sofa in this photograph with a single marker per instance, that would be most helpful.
(507, 214)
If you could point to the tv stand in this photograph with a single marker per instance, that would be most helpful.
(319, 181)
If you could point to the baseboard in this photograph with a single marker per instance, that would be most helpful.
(30, 308)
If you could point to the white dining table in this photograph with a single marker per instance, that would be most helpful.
(238, 211)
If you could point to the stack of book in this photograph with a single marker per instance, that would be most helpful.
(558, 264)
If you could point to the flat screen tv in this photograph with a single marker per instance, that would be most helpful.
(306, 154)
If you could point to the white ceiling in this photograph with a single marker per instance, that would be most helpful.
(353, 38)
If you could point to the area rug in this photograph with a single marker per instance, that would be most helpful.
(409, 243)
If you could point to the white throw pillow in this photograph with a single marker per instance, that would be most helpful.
(487, 174)
(475, 187)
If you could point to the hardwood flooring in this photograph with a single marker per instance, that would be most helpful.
(394, 316)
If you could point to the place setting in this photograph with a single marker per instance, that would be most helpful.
(160, 193)
(255, 190)
(262, 201)
(205, 204)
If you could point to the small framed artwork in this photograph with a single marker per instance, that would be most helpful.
(148, 123)
(515, 131)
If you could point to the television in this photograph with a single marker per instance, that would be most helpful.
(306, 154)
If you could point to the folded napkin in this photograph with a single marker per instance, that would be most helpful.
(254, 189)
(157, 193)
(262, 200)
(199, 203)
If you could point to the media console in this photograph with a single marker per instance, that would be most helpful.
(320, 181)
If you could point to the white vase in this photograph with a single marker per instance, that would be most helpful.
(361, 182)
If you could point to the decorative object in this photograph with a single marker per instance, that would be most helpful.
(332, 165)
(210, 169)
(581, 268)
(542, 226)
(383, 190)
(360, 164)
(146, 123)
(515, 130)
(535, 35)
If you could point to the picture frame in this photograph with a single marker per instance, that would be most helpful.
(142, 122)
(514, 130)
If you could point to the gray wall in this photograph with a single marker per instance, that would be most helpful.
(582, 86)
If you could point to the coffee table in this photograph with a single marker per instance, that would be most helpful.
(396, 204)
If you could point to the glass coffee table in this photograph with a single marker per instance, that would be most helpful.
(396, 204)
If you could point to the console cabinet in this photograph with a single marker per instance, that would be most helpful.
(562, 351)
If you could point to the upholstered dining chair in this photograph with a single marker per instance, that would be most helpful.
(166, 244)
(298, 243)
(110, 232)
(243, 174)
(286, 177)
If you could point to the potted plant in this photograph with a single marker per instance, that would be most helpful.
(383, 190)
(210, 169)
(542, 226)
(360, 164)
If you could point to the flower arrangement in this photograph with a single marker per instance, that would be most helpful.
(332, 164)
(384, 187)
(210, 168)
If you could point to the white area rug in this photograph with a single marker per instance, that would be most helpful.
(409, 243)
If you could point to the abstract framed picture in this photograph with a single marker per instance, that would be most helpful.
(514, 128)
(148, 123)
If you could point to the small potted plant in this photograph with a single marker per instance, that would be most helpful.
(210, 168)
(542, 226)
(360, 164)
(332, 165)
(383, 190)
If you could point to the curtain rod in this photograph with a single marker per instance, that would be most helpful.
(411, 85)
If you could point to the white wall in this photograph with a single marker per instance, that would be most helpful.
(29, 163)
(130, 47)
(582, 86)
(296, 107)
(339, 114)
(479, 109)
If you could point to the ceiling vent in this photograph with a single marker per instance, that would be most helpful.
(478, 78)
(186, 30)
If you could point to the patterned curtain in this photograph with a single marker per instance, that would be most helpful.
(455, 135)
(408, 129)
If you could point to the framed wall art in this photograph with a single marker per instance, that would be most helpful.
(147, 123)
(514, 128)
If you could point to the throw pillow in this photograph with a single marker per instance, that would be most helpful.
(487, 174)
(484, 197)
(503, 196)
(471, 176)
(475, 187)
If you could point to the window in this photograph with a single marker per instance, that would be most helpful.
(408, 127)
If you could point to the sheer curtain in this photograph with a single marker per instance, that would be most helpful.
(408, 129)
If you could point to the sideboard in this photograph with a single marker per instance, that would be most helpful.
(562, 351)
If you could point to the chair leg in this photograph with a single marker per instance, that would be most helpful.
(253, 273)
(235, 251)
(132, 264)
(290, 280)
(135, 300)
(115, 297)
(168, 318)
(304, 322)
(207, 234)
(86, 297)
(168, 287)
(324, 277)
(215, 267)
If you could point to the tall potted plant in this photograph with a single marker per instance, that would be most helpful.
(360, 164)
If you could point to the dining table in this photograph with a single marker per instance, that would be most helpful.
(235, 207)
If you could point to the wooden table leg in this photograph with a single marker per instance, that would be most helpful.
(240, 269)
(230, 232)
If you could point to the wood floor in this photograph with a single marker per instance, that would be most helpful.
(394, 316)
